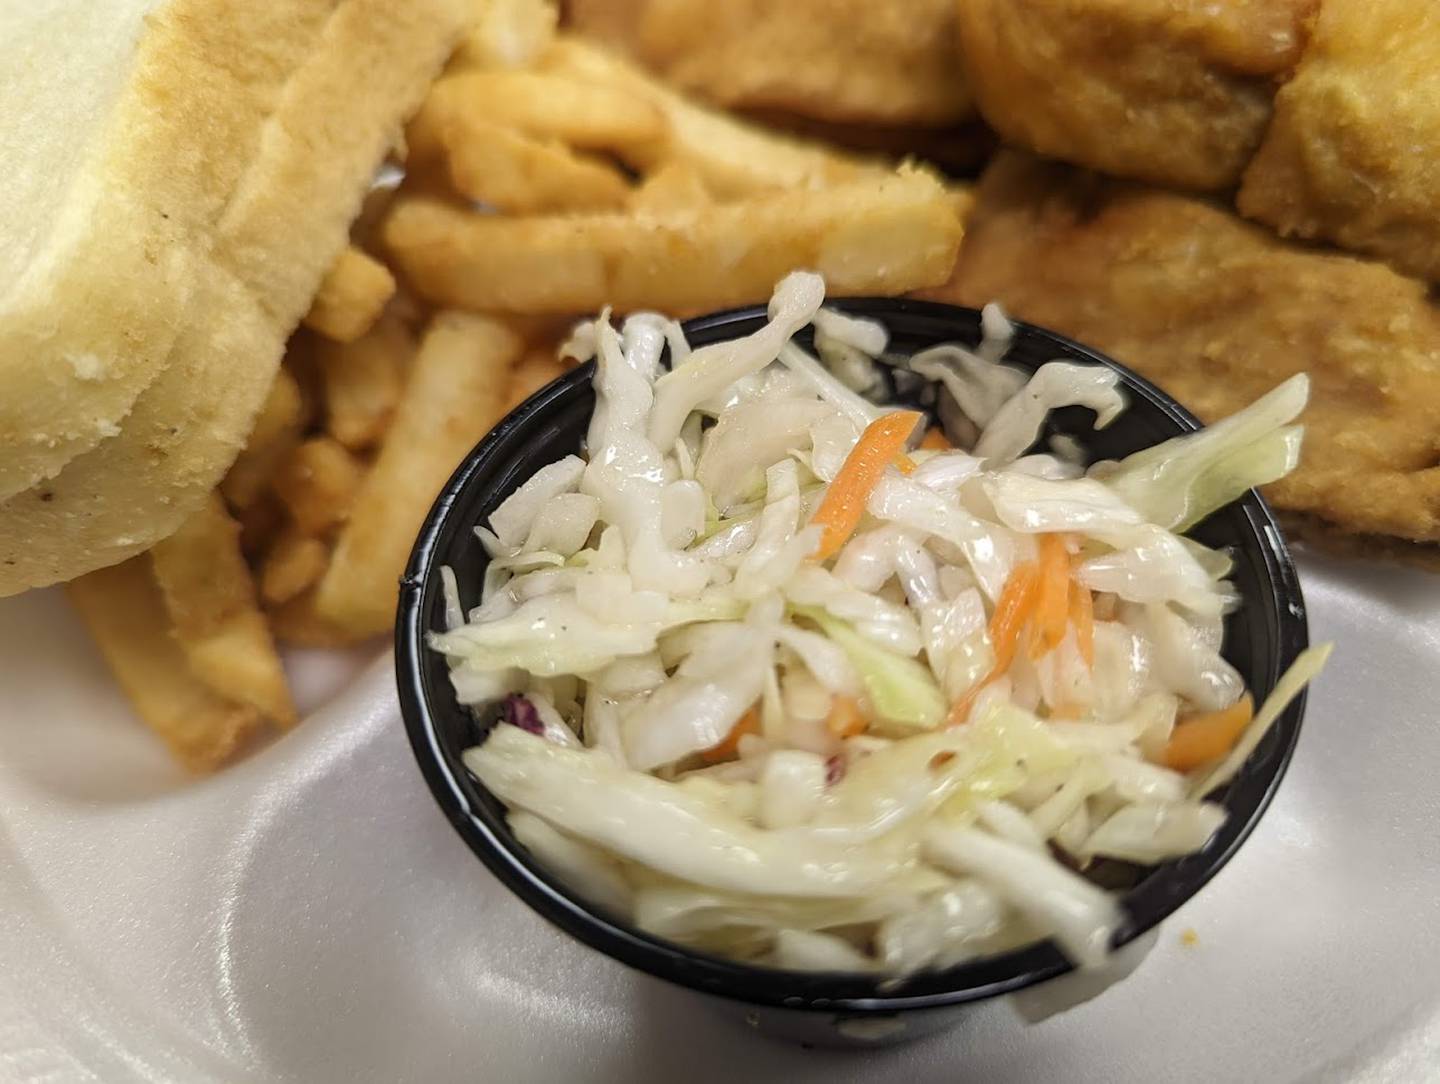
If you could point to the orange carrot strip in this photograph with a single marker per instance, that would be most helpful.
(936, 441)
(1200, 739)
(1082, 616)
(844, 502)
(1012, 610)
(1068, 712)
(845, 719)
(960, 710)
(904, 464)
(729, 745)
(1052, 602)
(1015, 607)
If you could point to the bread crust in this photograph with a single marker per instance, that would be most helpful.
(94, 315)
(284, 222)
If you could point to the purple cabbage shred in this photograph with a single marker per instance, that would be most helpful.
(520, 712)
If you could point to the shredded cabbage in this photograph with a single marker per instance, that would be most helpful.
(1305, 669)
(511, 522)
(1180, 482)
(644, 819)
(699, 726)
(714, 367)
(748, 440)
(1083, 918)
(833, 327)
(978, 386)
(902, 693)
(701, 702)
(1016, 425)
(860, 412)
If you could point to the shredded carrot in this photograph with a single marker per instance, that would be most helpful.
(960, 710)
(936, 441)
(904, 464)
(1015, 607)
(729, 745)
(1053, 599)
(1200, 739)
(1012, 610)
(1068, 712)
(845, 719)
(844, 502)
(1082, 616)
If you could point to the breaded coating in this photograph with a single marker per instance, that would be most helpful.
(1174, 92)
(884, 62)
(1350, 156)
(1217, 312)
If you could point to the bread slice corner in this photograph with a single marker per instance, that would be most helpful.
(306, 98)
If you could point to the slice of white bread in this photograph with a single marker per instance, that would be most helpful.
(128, 126)
(330, 84)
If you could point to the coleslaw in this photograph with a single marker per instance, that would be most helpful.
(782, 674)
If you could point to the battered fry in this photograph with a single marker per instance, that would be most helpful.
(1218, 312)
(1175, 93)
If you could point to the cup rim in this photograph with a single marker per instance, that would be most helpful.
(1148, 904)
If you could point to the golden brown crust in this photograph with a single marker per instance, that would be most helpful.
(883, 62)
(1175, 93)
(100, 304)
(1217, 312)
(867, 237)
(1349, 155)
(124, 610)
(733, 158)
(284, 225)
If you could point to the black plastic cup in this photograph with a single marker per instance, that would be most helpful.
(1262, 638)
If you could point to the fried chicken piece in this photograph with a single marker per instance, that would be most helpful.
(1217, 312)
(1350, 154)
(881, 62)
(1175, 92)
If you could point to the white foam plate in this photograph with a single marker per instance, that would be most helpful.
(308, 915)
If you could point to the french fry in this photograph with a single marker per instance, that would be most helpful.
(544, 331)
(734, 158)
(536, 369)
(519, 174)
(125, 613)
(274, 436)
(508, 34)
(296, 624)
(456, 392)
(362, 381)
(581, 114)
(291, 566)
(675, 186)
(260, 523)
(301, 363)
(895, 233)
(350, 298)
(210, 597)
(318, 483)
